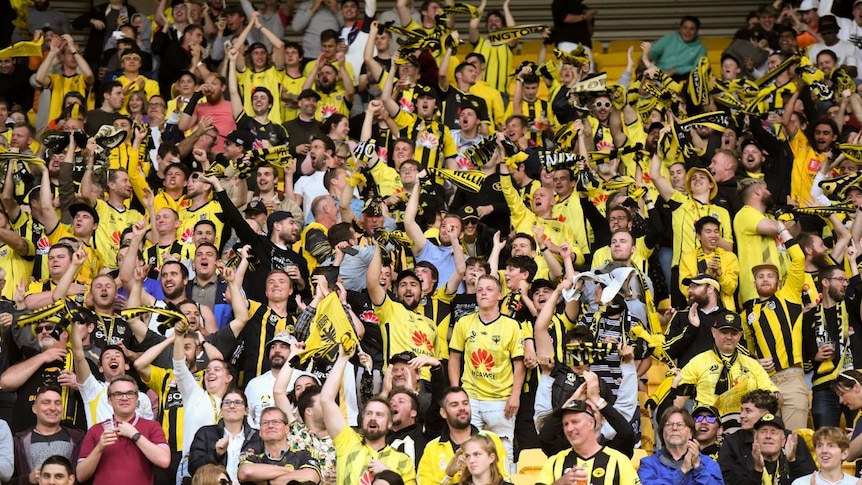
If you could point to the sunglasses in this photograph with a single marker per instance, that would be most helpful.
(602, 104)
(49, 327)
(708, 419)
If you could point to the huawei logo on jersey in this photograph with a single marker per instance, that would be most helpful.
(427, 140)
(482, 358)
(367, 478)
(369, 316)
(604, 145)
(407, 105)
(116, 236)
(187, 236)
(421, 340)
(327, 111)
(43, 245)
(464, 163)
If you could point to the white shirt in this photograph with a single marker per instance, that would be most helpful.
(258, 393)
(234, 450)
(205, 405)
(94, 393)
(845, 51)
(309, 187)
(806, 480)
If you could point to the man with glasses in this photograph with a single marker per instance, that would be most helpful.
(125, 447)
(279, 461)
(826, 335)
(680, 459)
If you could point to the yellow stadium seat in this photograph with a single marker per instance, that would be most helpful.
(657, 372)
(524, 479)
(639, 455)
(623, 45)
(531, 460)
(716, 43)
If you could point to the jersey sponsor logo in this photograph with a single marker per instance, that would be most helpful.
(420, 339)
(369, 316)
(187, 236)
(428, 140)
(43, 245)
(482, 358)
(407, 105)
(116, 236)
(327, 111)
(813, 165)
(367, 478)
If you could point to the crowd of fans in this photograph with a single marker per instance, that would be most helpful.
(380, 256)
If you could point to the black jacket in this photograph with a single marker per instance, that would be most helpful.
(203, 447)
(737, 465)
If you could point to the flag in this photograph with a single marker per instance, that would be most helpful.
(330, 328)
(23, 49)
(463, 8)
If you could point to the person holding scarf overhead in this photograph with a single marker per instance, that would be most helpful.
(826, 332)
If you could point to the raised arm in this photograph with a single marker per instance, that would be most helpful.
(332, 416)
(388, 85)
(665, 189)
(81, 367)
(233, 86)
(460, 264)
(414, 232)
(404, 13)
(144, 360)
(376, 293)
(238, 302)
(473, 26)
(47, 63)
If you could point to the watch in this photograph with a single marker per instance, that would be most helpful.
(136, 437)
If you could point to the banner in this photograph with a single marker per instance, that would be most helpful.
(508, 34)
(23, 49)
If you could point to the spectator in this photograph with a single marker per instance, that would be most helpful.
(677, 54)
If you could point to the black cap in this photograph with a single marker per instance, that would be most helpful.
(308, 93)
(372, 208)
(540, 283)
(702, 279)
(78, 207)
(255, 207)
(424, 90)
(406, 274)
(276, 216)
(472, 102)
(729, 320)
(241, 137)
(405, 357)
(769, 419)
(573, 406)
(175, 3)
(828, 23)
(467, 212)
(262, 89)
(703, 408)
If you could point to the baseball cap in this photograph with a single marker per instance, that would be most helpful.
(809, 5)
(467, 212)
(276, 216)
(769, 419)
(308, 93)
(241, 137)
(257, 45)
(255, 207)
(702, 279)
(827, 24)
(405, 357)
(406, 274)
(78, 207)
(372, 208)
(857, 2)
(573, 406)
(703, 408)
(283, 337)
(764, 265)
(423, 90)
(540, 283)
(730, 320)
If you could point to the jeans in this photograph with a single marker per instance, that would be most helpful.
(491, 415)
(665, 258)
(825, 408)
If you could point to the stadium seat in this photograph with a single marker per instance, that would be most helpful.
(524, 479)
(623, 45)
(716, 43)
(531, 460)
(639, 455)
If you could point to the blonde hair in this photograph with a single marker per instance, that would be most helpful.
(209, 474)
(490, 448)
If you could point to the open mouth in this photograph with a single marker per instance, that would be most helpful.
(114, 365)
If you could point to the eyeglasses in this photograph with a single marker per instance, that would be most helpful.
(127, 394)
(160, 105)
(618, 218)
(409, 170)
(602, 104)
(675, 425)
(840, 279)
(271, 422)
(196, 175)
(232, 402)
(48, 327)
(708, 419)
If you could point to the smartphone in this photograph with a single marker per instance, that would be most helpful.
(117, 34)
(331, 274)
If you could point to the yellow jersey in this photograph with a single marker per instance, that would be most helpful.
(488, 349)
(353, 456)
(270, 78)
(112, 223)
(754, 249)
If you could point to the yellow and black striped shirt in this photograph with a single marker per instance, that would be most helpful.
(433, 140)
(773, 327)
(262, 326)
(171, 410)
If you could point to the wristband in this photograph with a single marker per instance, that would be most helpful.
(189, 108)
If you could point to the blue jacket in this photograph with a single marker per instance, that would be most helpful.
(661, 469)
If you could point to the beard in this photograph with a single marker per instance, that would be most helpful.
(768, 203)
(835, 294)
(701, 300)
(820, 261)
(374, 435)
